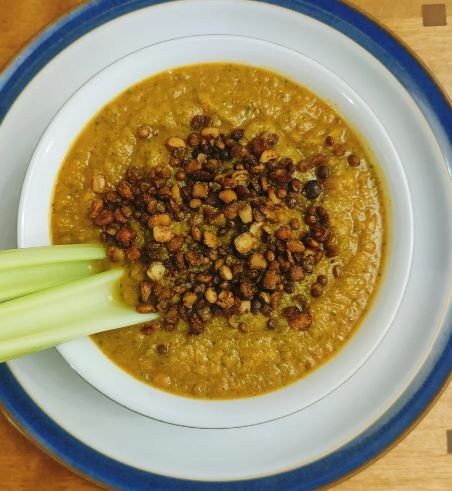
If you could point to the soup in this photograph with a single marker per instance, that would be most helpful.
(244, 210)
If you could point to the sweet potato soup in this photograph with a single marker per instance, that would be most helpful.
(245, 211)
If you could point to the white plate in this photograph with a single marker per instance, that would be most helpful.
(398, 377)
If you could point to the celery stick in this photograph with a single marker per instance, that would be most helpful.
(28, 279)
(54, 316)
(16, 258)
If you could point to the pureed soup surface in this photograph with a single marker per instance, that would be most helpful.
(294, 310)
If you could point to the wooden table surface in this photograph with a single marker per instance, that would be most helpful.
(420, 462)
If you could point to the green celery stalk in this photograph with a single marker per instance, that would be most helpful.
(57, 315)
(16, 258)
(28, 279)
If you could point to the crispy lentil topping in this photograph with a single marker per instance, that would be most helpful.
(227, 226)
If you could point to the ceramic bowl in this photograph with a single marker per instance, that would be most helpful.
(33, 228)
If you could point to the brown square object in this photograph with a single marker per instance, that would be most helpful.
(449, 441)
(434, 14)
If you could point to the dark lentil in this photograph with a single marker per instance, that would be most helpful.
(202, 189)
(316, 290)
(329, 140)
(353, 160)
(323, 172)
(312, 189)
(162, 349)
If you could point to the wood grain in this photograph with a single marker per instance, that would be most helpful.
(419, 462)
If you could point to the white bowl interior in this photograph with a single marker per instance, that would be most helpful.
(33, 228)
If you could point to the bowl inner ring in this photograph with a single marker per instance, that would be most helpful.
(33, 227)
